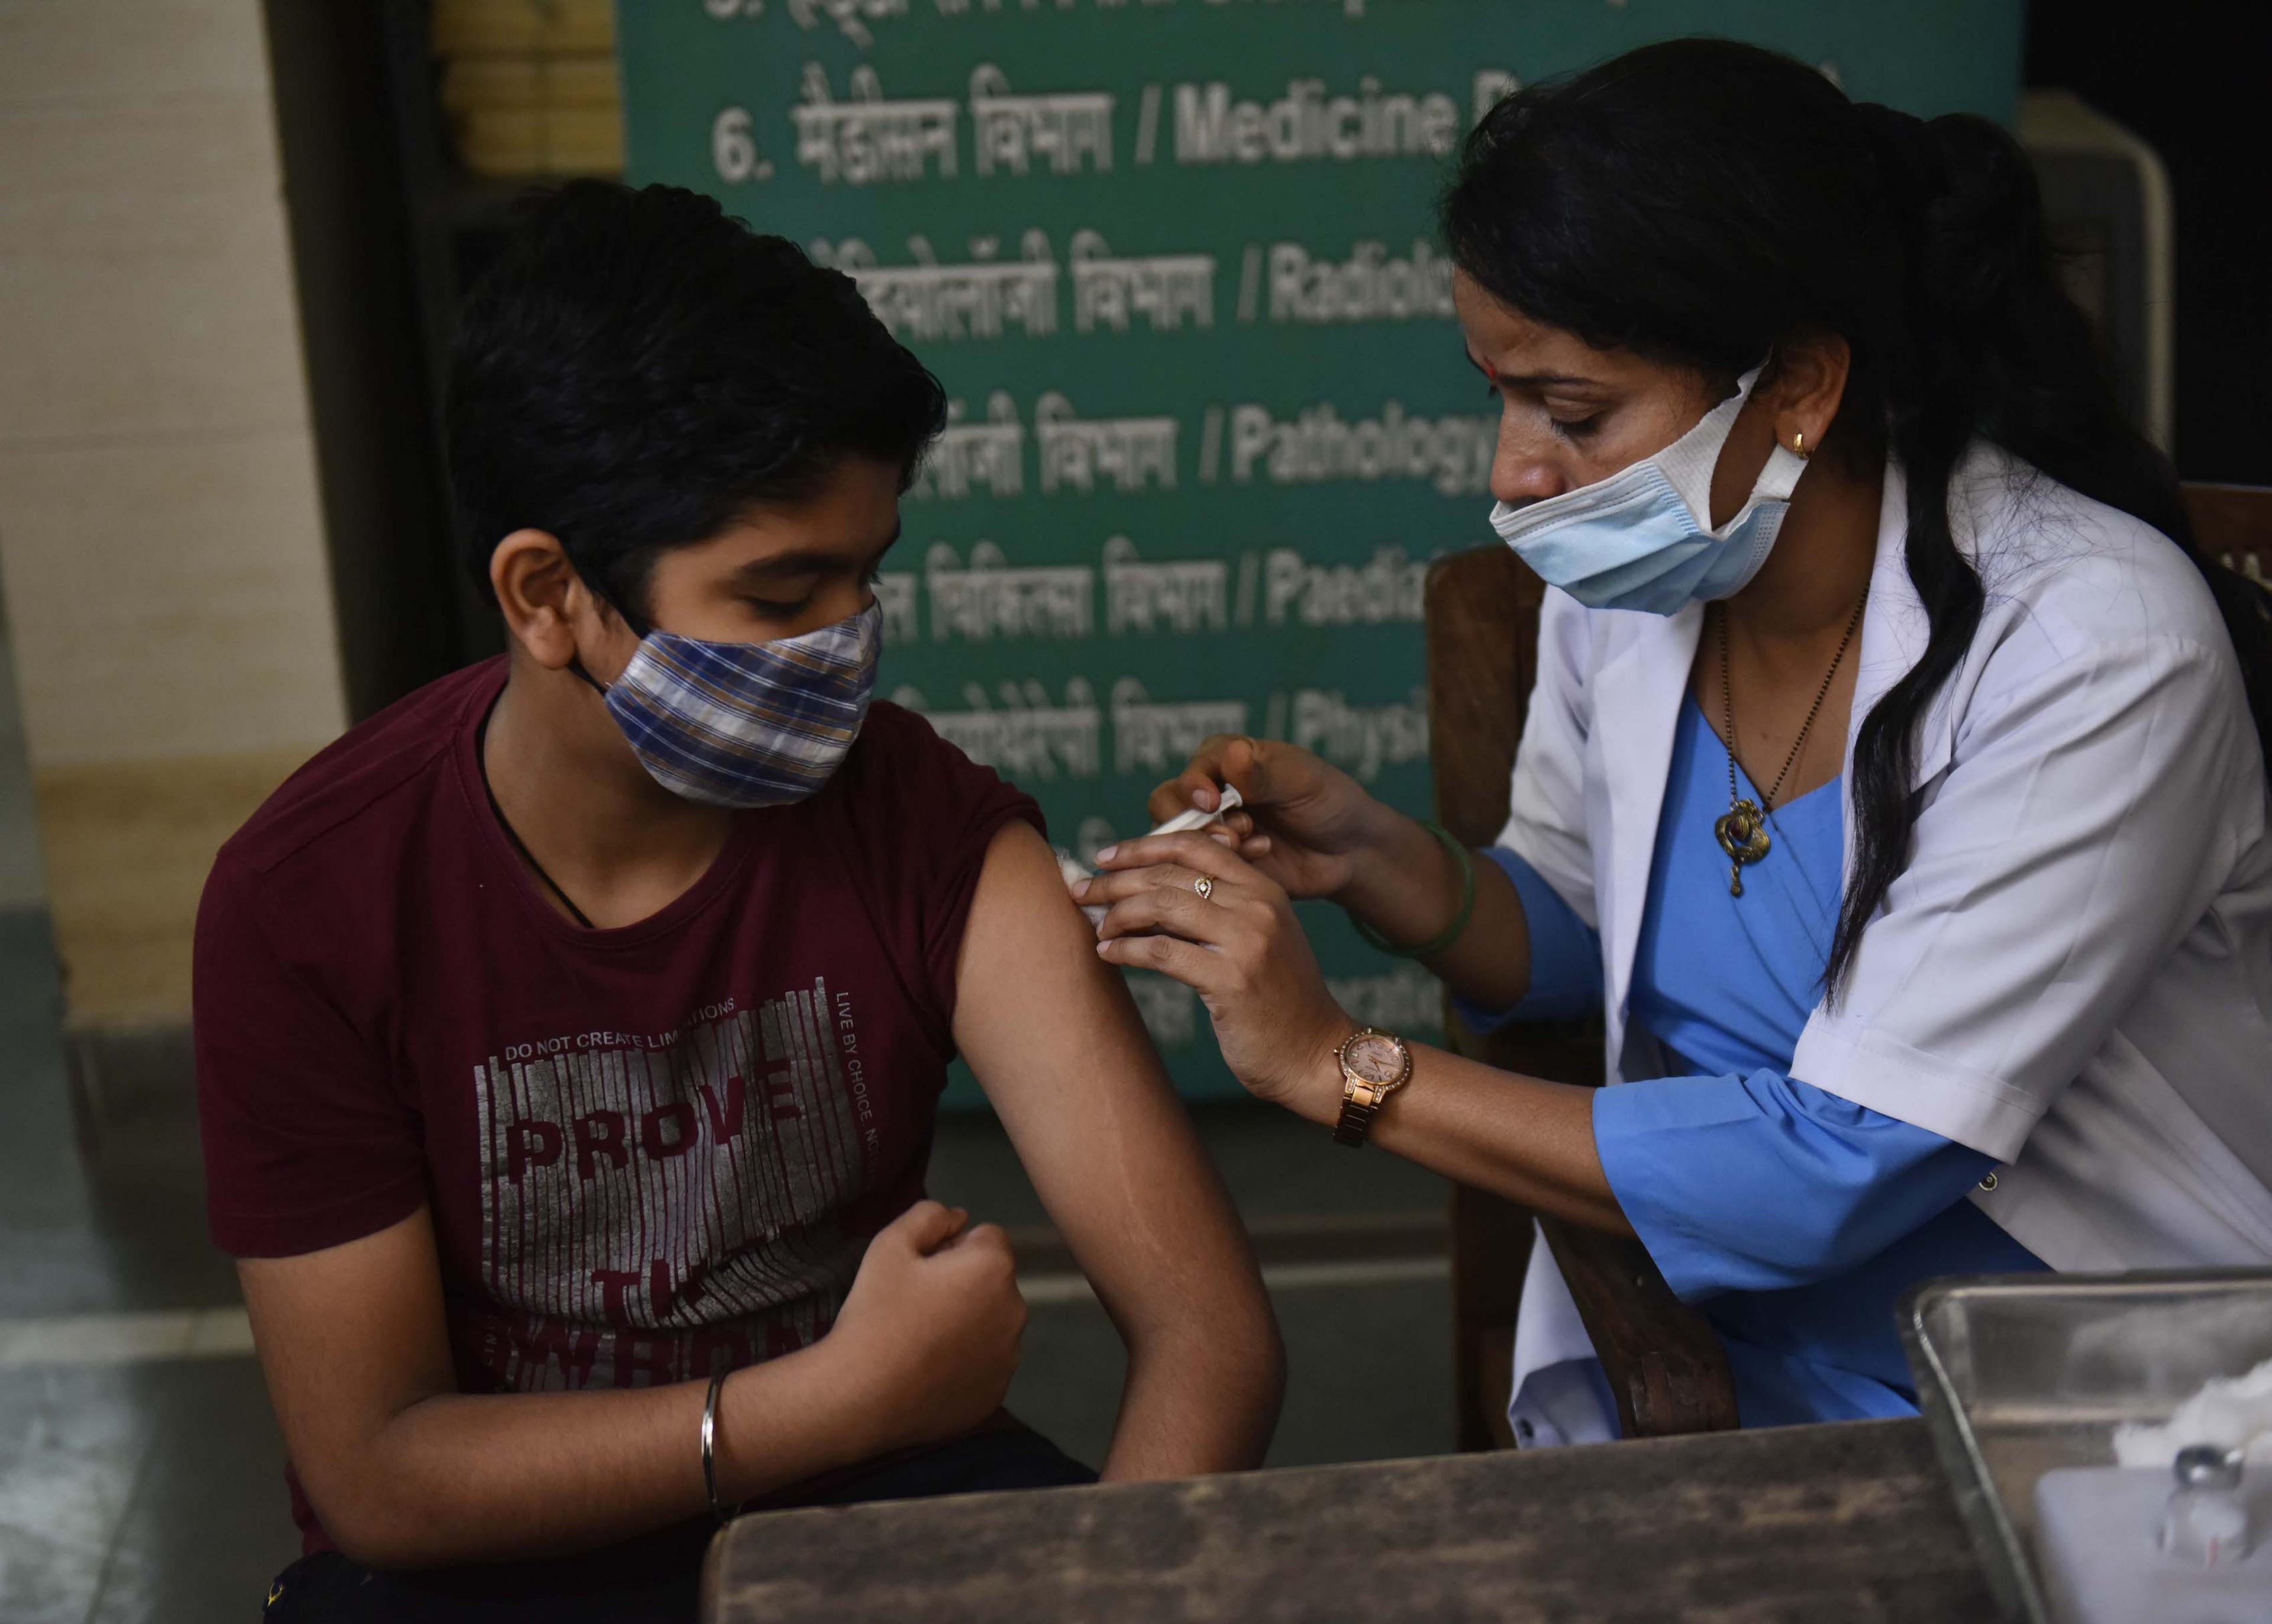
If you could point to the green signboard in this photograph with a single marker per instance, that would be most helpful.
(1174, 261)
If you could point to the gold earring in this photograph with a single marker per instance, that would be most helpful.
(1798, 444)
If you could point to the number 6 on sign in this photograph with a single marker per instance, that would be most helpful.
(735, 151)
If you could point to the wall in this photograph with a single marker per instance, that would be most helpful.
(1186, 249)
(23, 886)
(160, 537)
(2164, 72)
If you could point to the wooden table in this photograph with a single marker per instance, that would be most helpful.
(1842, 1524)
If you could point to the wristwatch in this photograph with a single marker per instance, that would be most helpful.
(1374, 1065)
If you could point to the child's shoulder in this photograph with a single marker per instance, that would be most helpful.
(907, 787)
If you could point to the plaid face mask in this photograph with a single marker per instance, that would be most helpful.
(748, 724)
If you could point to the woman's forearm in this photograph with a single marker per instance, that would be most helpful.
(1407, 889)
(467, 1478)
(1528, 1139)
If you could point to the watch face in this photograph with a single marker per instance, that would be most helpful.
(1374, 1057)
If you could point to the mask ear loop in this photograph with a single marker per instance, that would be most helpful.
(1779, 477)
(630, 623)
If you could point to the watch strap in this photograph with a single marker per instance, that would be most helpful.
(1355, 1122)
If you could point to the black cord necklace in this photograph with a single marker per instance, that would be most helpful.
(1742, 830)
(481, 760)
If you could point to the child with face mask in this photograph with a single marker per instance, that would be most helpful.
(570, 1035)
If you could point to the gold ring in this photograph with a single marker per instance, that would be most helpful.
(1204, 886)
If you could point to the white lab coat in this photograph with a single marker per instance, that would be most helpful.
(2074, 973)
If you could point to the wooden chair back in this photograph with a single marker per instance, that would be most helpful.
(2233, 524)
(1662, 1359)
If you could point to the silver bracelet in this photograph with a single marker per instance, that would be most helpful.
(710, 1445)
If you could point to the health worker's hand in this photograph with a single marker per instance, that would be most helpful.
(1239, 947)
(1306, 825)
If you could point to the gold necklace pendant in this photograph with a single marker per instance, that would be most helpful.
(1742, 829)
(1743, 835)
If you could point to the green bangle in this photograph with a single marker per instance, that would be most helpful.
(1450, 934)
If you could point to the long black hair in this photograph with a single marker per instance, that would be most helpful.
(1696, 201)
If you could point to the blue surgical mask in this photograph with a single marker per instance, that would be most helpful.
(1642, 538)
(748, 724)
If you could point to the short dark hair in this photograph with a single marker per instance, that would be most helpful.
(638, 368)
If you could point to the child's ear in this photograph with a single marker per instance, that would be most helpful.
(541, 595)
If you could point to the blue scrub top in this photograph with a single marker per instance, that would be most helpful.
(1793, 1218)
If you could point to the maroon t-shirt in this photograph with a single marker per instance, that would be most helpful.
(645, 1149)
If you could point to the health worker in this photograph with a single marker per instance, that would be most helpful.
(1894, 780)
